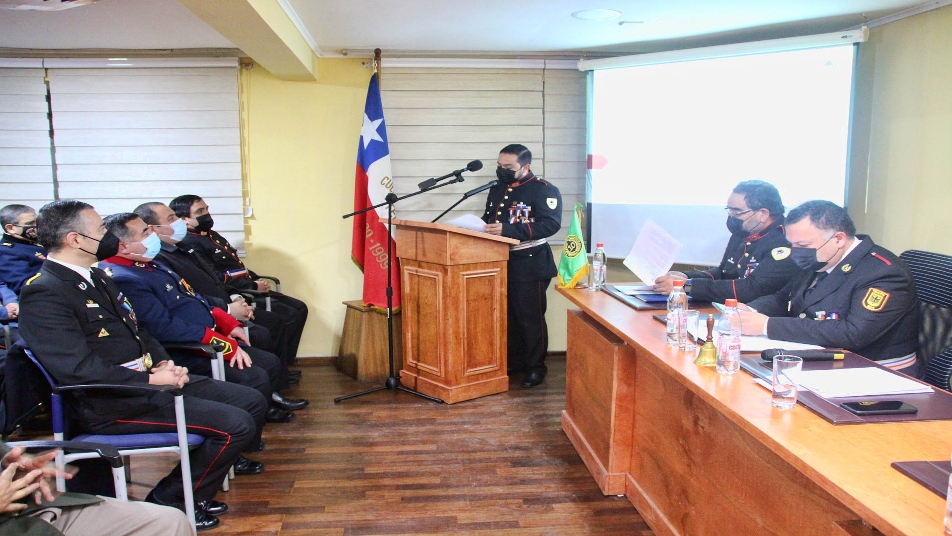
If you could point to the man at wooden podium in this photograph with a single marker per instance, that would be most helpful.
(529, 209)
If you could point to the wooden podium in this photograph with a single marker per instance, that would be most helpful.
(454, 310)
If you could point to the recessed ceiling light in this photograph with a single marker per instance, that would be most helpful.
(596, 14)
(118, 59)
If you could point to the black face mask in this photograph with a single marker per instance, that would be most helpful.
(205, 223)
(507, 176)
(108, 246)
(28, 232)
(736, 226)
(806, 258)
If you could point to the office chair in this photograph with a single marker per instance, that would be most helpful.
(933, 276)
(179, 442)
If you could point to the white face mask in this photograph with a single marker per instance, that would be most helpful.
(179, 230)
(153, 244)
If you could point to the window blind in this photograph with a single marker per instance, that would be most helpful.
(26, 165)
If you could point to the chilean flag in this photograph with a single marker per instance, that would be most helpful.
(369, 243)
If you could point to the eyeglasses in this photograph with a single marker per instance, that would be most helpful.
(736, 212)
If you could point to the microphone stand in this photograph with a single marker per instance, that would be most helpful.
(466, 196)
(393, 381)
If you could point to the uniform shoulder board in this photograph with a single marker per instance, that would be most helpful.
(32, 279)
(880, 257)
(780, 253)
(8, 244)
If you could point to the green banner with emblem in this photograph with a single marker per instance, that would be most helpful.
(573, 265)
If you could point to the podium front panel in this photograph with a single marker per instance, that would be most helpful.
(482, 321)
(425, 318)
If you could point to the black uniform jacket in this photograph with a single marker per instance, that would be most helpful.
(223, 258)
(868, 301)
(752, 266)
(529, 209)
(185, 262)
(83, 335)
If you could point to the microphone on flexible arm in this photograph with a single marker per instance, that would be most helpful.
(482, 188)
(475, 165)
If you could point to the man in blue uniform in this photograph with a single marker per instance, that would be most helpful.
(527, 208)
(223, 258)
(851, 293)
(20, 255)
(757, 259)
(168, 307)
(83, 332)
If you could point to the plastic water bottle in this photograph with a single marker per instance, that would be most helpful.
(948, 508)
(599, 267)
(728, 340)
(677, 302)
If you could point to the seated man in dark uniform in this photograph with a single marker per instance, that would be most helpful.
(268, 330)
(84, 332)
(20, 255)
(170, 308)
(757, 259)
(223, 258)
(851, 293)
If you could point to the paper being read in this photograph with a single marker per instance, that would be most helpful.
(653, 253)
(468, 221)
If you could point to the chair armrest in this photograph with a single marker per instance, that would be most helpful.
(108, 452)
(209, 350)
(269, 277)
(171, 389)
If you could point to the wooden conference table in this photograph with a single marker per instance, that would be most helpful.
(700, 453)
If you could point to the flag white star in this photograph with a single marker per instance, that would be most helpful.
(368, 132)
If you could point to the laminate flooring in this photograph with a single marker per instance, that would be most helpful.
(392, 463)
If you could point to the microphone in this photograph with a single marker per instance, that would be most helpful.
(475, 165)
(482, 188)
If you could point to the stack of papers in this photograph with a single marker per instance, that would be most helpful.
(751, 343)
(866, 381)
(637, 290)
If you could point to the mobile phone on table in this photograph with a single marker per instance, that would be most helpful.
(880, 407)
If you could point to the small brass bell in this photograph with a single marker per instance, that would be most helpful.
(707, 357)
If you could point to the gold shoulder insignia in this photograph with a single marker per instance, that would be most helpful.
(875, 299)
(780, 253)
(847, 268)
(32, 279)
(108, 271)
(8, 244)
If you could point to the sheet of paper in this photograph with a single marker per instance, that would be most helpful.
(868, 381)
(752, 344)
(653, 254)
(468, 221)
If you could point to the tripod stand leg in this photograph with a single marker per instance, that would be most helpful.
(355, 395)
(419, 394)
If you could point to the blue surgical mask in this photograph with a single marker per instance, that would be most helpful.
(153, 244)
(179, 230)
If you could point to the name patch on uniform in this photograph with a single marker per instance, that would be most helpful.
(552, 202)
(780, 253)
(875, 300)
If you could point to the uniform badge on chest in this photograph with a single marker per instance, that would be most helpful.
(519, 213)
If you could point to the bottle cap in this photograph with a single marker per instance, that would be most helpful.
(730, 302)
(599, 245)
(678, 282)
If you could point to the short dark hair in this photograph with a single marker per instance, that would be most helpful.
(182, 205)
(116, 224)
(825, 215)
(11, 213)
(57, 219)
(146, 211)
(760, 194)
(522, 152)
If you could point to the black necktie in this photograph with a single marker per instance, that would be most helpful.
(816, 280)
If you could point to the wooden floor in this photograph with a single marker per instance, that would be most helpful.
(391, 463)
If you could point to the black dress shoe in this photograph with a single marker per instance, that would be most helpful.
(287, 404)
(244, 466)
(213, 507)
(256, 448)
(276, 415)
(203, 519)
(532, 379)
(293, 380)
(294, 373)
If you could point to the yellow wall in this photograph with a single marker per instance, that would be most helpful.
(901, 165)
(300, 157)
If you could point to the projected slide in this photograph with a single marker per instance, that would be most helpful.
(683, 134)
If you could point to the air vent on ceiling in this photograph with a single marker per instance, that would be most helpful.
(43, 5)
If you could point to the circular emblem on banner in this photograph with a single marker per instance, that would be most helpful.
(573, 246)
